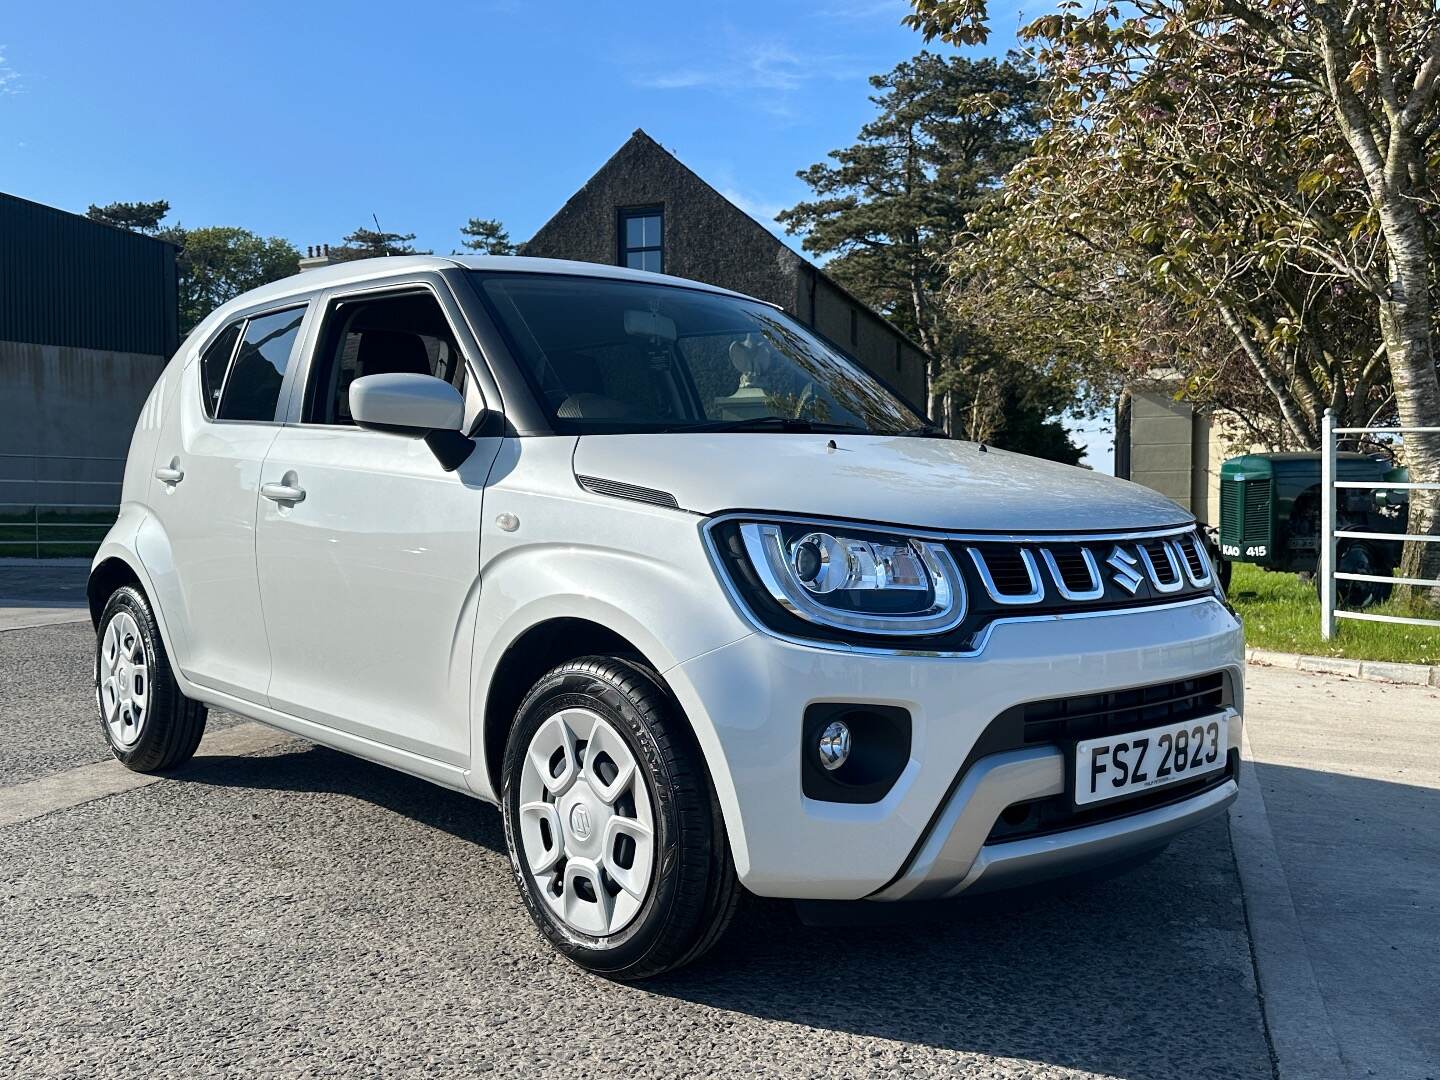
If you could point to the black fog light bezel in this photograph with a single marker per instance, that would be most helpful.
(879, 751)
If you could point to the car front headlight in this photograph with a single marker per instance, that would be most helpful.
(856, 579)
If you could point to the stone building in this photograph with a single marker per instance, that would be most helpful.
(646, 210)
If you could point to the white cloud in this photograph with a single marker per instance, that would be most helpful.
(741, 65)
(9, 77)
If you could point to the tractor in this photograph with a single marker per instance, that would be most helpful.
(1270, 516)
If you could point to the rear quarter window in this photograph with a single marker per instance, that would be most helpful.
(214, 363)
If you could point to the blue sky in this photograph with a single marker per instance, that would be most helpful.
(303, 119)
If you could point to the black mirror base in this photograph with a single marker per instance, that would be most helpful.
(450, 448)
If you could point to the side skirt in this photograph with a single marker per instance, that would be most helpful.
(446, 775)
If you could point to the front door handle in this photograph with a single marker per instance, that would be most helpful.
(283, 493)
(172, 473)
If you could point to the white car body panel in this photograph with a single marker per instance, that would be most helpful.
(921, 483)
(635, 569)
(788, 845)
(369, 585)
(206, 524)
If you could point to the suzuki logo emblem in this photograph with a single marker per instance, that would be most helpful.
(580, 822)
(1126, 575)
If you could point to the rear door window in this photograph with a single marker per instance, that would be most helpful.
(253, 388)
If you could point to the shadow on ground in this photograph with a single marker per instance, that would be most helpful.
(1146, 975)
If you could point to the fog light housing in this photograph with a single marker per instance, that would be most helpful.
(834, 746)
(852, 752)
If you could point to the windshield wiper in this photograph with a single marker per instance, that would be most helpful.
(777, 423)
(924, 431)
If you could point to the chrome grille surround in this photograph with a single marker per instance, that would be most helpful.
(1128, 565)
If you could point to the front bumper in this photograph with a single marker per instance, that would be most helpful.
(927, 836)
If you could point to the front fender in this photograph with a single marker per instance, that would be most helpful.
(659, 593)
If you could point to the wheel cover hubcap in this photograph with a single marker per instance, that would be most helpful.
(587, 825)
(124, 680)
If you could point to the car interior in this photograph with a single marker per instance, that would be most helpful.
(406, 334)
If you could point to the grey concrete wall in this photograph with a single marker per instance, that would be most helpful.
(1162, 445)
(66, 414)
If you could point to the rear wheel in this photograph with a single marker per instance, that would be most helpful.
(1360, 557)
(614, 834)
(149, 725)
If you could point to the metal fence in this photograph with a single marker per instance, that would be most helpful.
(1330, 536)
(58, 517)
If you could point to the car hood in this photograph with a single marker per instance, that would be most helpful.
(925, 483)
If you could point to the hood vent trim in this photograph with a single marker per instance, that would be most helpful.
(617, 489)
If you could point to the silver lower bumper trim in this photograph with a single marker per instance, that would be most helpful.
(954, 857)
(1021, 862)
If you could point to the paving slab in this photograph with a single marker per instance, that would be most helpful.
(1350, 776)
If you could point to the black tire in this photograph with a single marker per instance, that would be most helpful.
(1359, 557)
(172, 724)
(693, 890)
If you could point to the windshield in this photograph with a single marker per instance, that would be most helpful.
(617, 356)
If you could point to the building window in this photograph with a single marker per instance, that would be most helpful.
(642, 239)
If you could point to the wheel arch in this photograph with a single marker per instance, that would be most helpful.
(535, 650)
(106, 577)
(117, 563)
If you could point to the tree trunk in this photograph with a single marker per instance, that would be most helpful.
(1390, 157)
(1406, 321)
(934, 400)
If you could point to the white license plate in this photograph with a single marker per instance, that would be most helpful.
(1119, 765)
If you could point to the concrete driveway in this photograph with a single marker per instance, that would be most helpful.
(278, 909)
(1349, 774)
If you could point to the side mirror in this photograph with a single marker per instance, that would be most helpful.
(419, 405)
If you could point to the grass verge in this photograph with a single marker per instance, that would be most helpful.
(1282, 613)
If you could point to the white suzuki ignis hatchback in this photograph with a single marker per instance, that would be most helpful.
(697, 600)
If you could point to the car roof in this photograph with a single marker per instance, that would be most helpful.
(360, 270)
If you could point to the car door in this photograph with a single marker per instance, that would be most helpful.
(203, 495)
(369, 579)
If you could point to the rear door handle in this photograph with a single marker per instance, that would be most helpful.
(171, 474)
(283, 493)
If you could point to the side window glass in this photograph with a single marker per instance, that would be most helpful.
(401, 333)
(253, 388)
(213, 363)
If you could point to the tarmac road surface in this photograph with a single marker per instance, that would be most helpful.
(296, 912)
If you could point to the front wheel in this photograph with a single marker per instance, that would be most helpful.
(149, 725)
(615, 837)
